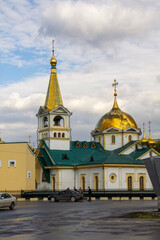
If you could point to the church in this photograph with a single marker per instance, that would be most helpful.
(113, 160)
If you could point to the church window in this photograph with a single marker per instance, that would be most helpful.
(55, 135)
(141, 183)
(78, 144)
(45, 122)
(65, 157)
(85, 145)
(58, 121)
(59, 135)
(11, 163)
(113, 177)
(83, 182)
(129, 181)
(93, 145)
(54, 183)
(63, 135)
(129, 138)
(91, 159)
(96, 181)
(113, 139)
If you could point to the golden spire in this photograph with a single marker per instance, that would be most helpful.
(115, 105)
(53, 96)
(151, 141)
(144, 140)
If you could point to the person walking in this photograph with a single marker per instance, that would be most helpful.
(89, 193)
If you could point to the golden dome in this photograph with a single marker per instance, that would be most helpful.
(116, 118)
(53, 60)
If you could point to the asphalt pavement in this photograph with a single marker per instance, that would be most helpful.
(79, 220)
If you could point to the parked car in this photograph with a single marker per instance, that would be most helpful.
(68, 195)
(7, 200)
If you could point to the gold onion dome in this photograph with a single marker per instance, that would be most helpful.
(116, 118)
(144, 140)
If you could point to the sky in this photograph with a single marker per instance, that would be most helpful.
(95, 43)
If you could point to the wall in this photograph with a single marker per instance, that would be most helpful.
(15, 177)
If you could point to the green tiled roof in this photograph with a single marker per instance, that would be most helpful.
(79, 156)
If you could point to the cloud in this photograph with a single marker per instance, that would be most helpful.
(97, 23)
(96, 42)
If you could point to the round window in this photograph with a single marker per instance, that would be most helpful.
(113, 177)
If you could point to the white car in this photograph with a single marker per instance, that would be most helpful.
(7, 200)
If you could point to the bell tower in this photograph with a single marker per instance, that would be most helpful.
(53, 117)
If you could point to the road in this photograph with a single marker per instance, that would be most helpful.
(78, 220)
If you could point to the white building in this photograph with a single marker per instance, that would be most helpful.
(114, 160)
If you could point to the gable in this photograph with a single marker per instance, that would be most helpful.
(131, 130)
(112, 129)
(41, 111)
(61, 110)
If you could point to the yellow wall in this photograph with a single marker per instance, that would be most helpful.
(15, 178)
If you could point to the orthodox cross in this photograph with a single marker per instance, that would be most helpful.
(149, 125)
(114, 85)
(149, 129)
(53, 45)
(29, 139)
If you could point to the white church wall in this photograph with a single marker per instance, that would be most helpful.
(129, 150)
(67, 178)
(93, 172)
(145, 156)
(60, 144)
(126, 136)
(114, 184)
(83, 171)
(108, 145)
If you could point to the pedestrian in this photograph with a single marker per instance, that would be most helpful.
(89, 193)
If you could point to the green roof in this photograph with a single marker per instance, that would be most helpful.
(80, 156)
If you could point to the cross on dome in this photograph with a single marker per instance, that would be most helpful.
(114, 85)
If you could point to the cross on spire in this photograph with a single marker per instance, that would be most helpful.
(53, 45)
(115, 85)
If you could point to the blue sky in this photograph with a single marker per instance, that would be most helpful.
(95, 42)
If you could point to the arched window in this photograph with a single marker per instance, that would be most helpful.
(96, 183)
(113, 139)
(141, 183)
(83, 182)
(63, 135)
(55, 134)
(45, 122)
(129, 180)
(129, 138)
(59, 135)
(58, 121)
(54, 183)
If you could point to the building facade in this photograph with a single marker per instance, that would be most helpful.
(114, 160)
(17, 167)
